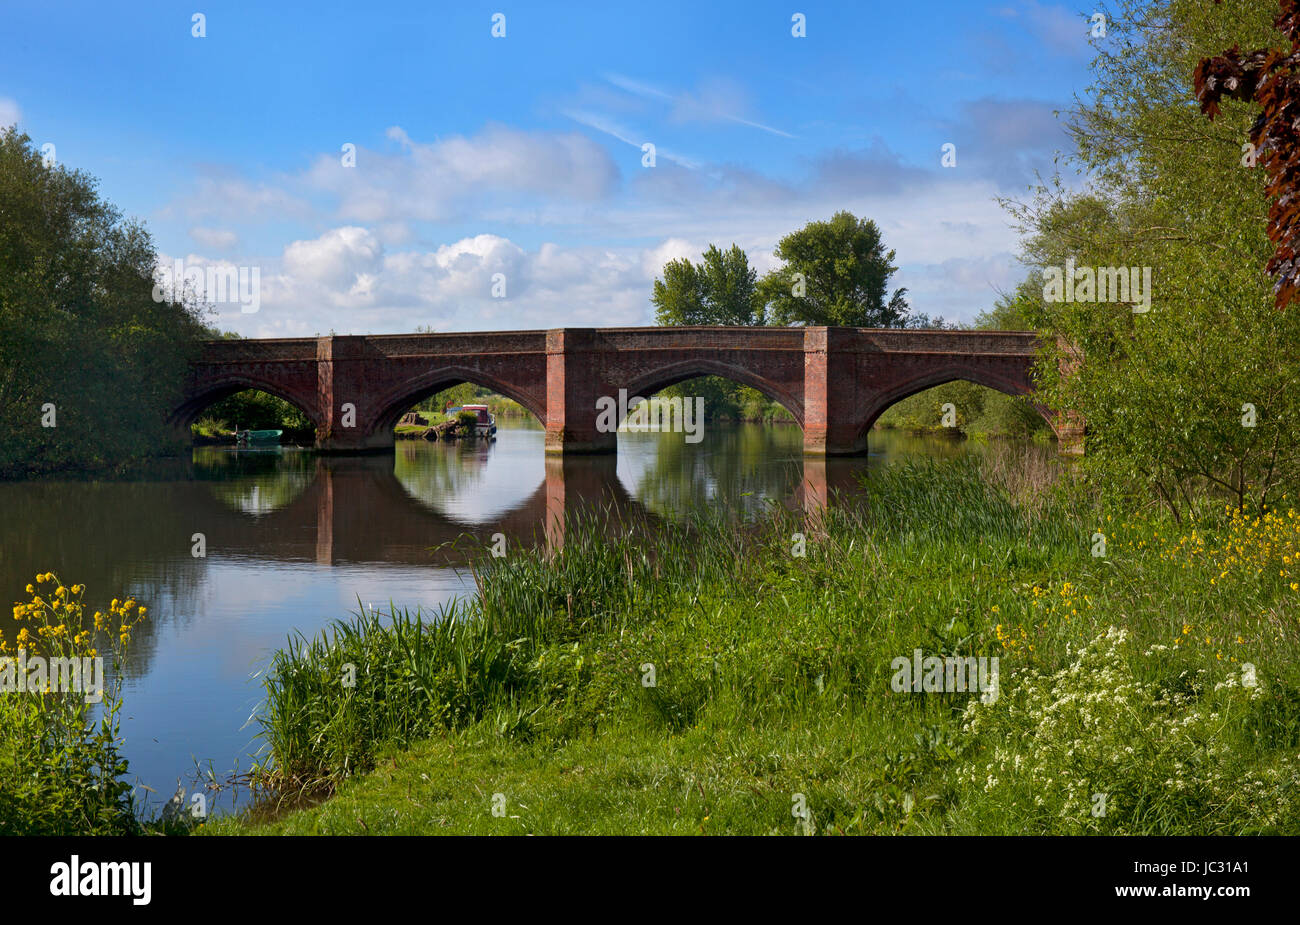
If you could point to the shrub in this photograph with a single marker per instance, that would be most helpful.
(61, 767)
(1094, 748)
(332, 700)
(467, 422)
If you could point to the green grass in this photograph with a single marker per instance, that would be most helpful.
(772, 679)
(210, 428)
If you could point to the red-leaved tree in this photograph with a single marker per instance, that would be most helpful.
(1271, 78)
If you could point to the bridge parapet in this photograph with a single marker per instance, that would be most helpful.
(701, 337)
(242, 350)
(441, 345)
(988, 343)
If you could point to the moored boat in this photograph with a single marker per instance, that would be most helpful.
(258, 437)
(485, 422)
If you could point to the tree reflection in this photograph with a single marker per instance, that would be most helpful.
(740, 467)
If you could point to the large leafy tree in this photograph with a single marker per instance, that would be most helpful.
(836, 272)
(720, 289)
(79, 328)
(1203, 389)
(256, 410)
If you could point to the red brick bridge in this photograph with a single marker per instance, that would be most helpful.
(835, 381)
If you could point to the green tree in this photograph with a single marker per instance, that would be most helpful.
(836, 273)
(1203, 389)
(465, 393)
(255, 410)
(83, 344)
(720, 289)
(210, 332)
(1018, 310)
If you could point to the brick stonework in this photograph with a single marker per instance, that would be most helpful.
(835, 381)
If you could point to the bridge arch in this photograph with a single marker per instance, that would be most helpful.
(1015, 387)
(400, 398)
(216, 389)
(653, 381)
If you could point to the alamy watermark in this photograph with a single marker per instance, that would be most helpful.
(1131, 285)
(36, 674)
(651, 415)
(953, 673)
(214, 284)
(76, 877)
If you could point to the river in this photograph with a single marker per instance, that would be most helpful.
(295, 540)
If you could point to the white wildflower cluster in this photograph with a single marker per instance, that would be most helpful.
(1163, 759)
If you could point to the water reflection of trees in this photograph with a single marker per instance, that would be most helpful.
(254, 481)
(117, 538)
(134, 537)
(738, 468)
(743, 468)
(434, 472)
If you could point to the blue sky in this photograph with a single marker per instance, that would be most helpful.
(521, 155)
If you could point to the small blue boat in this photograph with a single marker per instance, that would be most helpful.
(258, 437)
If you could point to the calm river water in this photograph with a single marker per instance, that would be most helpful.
(295, 541)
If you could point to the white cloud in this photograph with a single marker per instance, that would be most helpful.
(439, 180)
(953, 243)
(9, 111)
(345, 281)
(384, 267)
(215, 238)
(235, 199)
(339, 259)
(959, 288)
(608, 126)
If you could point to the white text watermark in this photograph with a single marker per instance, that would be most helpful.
(36, 674)
(214, 284)
(651, 415)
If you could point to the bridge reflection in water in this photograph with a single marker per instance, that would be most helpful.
(292, 538)
(296, 540)
(356, 509)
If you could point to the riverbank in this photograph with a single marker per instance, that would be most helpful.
(715, 681)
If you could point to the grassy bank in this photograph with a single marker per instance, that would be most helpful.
(711, 680)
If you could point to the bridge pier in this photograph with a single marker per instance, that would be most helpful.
(345, 442)
(833, 407)
(345, 367)
(572, 389)
(572, 489)
(1070, 434)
